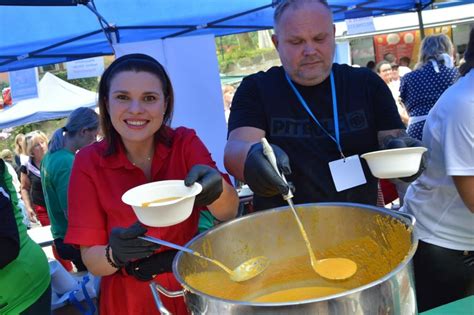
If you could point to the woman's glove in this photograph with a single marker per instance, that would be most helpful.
(126, 246)
(145, 269)
(407, 142)
(210, 180)
(261, 176)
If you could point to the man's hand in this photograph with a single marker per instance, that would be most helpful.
(406, 142)
(210, 180)
(126, 246)
(261, 176)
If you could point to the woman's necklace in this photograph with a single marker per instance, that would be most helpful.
(135, 164)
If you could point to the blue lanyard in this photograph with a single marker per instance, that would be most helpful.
(334, 108)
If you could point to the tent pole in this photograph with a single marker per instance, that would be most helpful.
(419, 10)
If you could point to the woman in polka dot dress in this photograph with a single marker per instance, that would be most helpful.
(420, 89)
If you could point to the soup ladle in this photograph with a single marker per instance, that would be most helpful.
(243, 272)
(329, 268)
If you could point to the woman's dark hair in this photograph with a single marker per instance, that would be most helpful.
(468, 56)
(135, 63)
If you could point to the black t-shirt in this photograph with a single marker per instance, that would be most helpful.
(36, 189)
(266, 101)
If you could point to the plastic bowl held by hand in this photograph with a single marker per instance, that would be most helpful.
(162, 203)
(394, 163)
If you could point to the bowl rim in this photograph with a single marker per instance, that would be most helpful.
(398, 150)
(196, 188)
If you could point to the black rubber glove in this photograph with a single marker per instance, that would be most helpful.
(145, 269)
(210, 180)
(259, 174)
(127, 247)
(407, 142)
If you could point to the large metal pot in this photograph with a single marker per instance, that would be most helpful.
(380, 241)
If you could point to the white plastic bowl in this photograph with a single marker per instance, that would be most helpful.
(163, 213)
(394, 163)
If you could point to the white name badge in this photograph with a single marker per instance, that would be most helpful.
(347, 173)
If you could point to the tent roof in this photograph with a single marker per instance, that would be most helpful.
(57, 99)
(40, 35)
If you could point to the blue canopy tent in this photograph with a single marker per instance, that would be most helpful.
(37, 32)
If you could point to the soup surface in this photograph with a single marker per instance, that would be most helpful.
(148, 203)
(298, 294)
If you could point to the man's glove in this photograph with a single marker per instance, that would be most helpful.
(407, 142)
(145, 269)
(259, 174)
(127, 247)
(210, 180)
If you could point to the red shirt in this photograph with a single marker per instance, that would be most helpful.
(95, 206)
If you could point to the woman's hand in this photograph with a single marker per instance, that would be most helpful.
(210, 180)
(126, 246)
(32, 215)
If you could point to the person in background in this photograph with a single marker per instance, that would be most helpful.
(36, 145)
(421, 88)
(313, 112)
(21, 158)
(136, 106)
(24, 271)
(394, 87)
(227, 94)
(442, 198)
(390, 58)
(80, 130)
(7, 156)
(384, 70)
(370, 65)
(404, 66)
(14, 170)
(404, 62)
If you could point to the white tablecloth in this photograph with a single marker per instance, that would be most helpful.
(41, 235)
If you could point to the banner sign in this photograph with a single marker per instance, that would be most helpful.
(360, 25)
(85, 68)
(24, 84)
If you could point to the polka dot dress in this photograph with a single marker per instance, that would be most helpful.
(420, 89)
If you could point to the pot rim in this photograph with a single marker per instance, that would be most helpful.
(405, 218)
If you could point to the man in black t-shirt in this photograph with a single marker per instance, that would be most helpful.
(271, 104)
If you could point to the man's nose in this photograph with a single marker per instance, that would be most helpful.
(309, 48)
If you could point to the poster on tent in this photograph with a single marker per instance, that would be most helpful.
(85, 68)
(196, 83)
(24, 84)
(398, 44)
(404, 44)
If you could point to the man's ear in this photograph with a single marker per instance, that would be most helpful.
(275, 41)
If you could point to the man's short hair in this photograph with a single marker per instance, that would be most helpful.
(390, 57)
(282, 5)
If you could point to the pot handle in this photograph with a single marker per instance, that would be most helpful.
(156, 289)
(408, 216)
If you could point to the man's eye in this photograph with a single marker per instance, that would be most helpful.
(295, 42)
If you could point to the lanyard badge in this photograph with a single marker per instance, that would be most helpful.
(346, 172)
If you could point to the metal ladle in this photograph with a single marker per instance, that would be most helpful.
(329, 268)
(245, 271)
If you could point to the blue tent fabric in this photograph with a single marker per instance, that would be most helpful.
(40, 35)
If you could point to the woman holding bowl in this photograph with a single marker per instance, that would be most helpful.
(139, 146)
